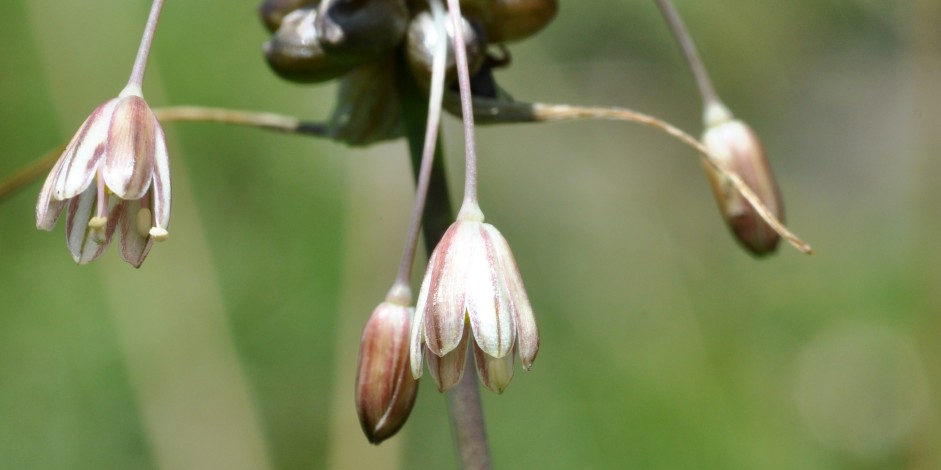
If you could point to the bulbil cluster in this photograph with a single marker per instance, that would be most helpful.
(316, 41)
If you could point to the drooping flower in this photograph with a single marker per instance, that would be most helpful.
(472, 288)
(113, 175)
(735, 147)
(385, 388)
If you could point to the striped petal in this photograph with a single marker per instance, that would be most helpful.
(135, 240)
(527, 333)
(442, 299)
(161, 184)
(494, 372)
(131, 146)
(417, 347)
(448, 370)
(48, 208)
(83, 155)
(488, 304)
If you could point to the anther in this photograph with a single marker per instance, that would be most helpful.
(144, 219)
(159, 234)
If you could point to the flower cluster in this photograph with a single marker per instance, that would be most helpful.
(315, 41)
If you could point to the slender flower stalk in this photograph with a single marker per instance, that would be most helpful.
(436, 95)
(706, 90)
(467, 106)
(143, 52)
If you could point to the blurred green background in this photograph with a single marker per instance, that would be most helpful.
(663, 344)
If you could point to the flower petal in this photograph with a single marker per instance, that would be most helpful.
(81, 158)
(131, 146)
(527, 333)
(488, 304)
(135, 244)
(448, 370)
(416, 348)
(86, 243)
(494, 372)
(161, 181)
(443, 299)
(48, 208)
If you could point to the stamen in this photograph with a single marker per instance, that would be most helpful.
(100, 219)
(97, 223)
(159, 234)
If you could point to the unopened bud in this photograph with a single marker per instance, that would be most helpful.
(421, 43)
(294, 52)
(385, 388)
(359, 31)
(735, 147)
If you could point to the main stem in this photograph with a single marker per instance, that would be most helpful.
(464, 407)
(140, 62)
(706, 90)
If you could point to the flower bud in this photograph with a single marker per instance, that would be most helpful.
(272, 12)
(294, 52)
(735, 147)
(360, 31)
(421, 41)
(385, 388)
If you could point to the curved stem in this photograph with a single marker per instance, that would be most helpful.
(706, 90)
(487, 112)
(140, 62)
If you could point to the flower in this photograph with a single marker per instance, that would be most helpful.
(735, 147)
(122, 148)
(472, 287)
(385, 388)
